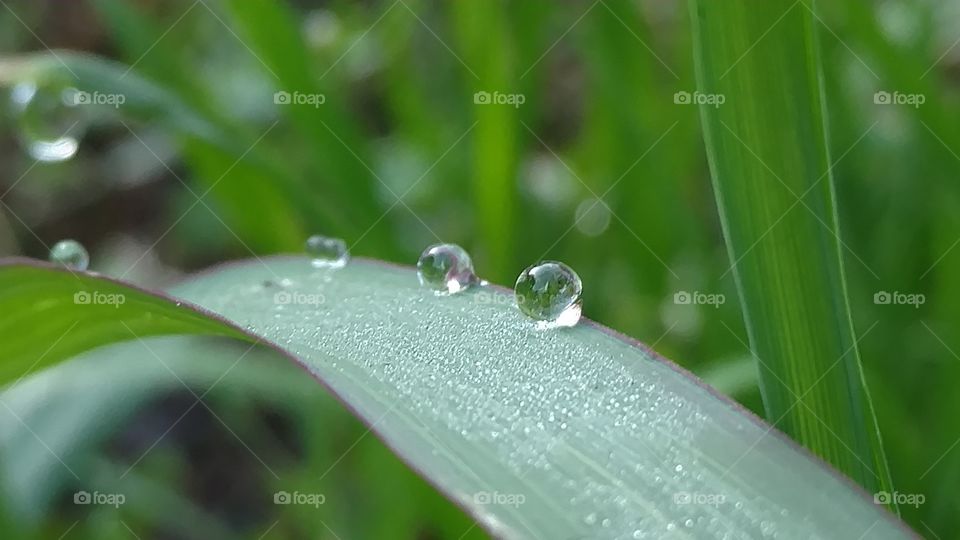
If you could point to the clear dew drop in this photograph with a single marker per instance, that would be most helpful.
(446, 268)
(549, 292)
(48, 121)
(326, 252)
(71, 254)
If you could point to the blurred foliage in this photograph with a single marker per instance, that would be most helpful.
(400, 156)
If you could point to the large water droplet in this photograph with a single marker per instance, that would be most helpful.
(326, 252)
(71, 254)
(447, 268)
(550, 293)
(48, 122)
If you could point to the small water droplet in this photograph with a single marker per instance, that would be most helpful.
(446, 268)
(326, 252)
(590, 519)
(48, 122)
(550, 293)
(71, 254)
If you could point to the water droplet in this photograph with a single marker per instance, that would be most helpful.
(590, 519)
(326, 252)
(447, 268)
(71, 254)
(48, 122)
(550, 293)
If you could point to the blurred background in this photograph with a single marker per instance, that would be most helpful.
(209, 130)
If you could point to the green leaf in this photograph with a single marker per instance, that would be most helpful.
(767, 149)
(536, 434)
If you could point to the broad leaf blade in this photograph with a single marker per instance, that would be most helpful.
(560, 434)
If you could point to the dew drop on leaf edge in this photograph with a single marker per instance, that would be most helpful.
(550, 293)
(71, 254)
(326, 252)
(446, 268)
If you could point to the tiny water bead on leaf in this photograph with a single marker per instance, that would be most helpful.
(71, 254)
(326, 252)
(446, 268)
(549, 292)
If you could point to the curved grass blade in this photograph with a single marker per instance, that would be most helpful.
(570, 433)
(768, 156)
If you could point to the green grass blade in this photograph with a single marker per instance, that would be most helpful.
(772, 176)
(570, 433)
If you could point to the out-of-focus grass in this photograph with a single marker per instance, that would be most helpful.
(599, 121)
